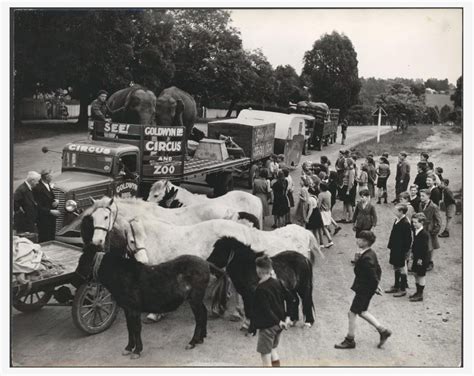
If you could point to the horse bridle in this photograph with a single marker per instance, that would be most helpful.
(136, 250)
(110, 219)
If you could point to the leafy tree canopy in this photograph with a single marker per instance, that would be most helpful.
(330, 70)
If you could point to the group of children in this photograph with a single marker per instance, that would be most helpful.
(415, 232)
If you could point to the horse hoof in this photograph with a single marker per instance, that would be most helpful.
(126, 352)
(134, 356)
(190, 346)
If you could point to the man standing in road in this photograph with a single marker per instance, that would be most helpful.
(47, 205)
(99, 109)
(402, 178)
(343, 131)
(24, 205)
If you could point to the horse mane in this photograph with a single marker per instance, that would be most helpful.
(251, 218)
(244, 251)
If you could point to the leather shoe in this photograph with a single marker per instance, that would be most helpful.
(444, 234)
(416, 298)
(383, 337)
(400, 294)
(346, 344)
(430, 267)
(392, 290)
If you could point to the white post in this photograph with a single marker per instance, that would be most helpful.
(379, 124)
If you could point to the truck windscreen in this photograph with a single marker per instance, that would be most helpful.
(85, 161)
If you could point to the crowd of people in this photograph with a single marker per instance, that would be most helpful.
(414, 234)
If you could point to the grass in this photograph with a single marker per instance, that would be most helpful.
(393, 142)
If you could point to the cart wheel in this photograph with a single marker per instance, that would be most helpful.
(252, 174)
(93, 310)
(32, 302)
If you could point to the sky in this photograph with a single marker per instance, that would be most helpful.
(409, 43)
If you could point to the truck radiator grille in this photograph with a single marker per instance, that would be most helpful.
(61, 197)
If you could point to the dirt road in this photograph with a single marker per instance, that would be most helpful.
(424, 334)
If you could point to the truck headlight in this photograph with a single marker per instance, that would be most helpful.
(70, 206)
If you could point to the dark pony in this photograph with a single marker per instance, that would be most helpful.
(293, 270)
(141, 288)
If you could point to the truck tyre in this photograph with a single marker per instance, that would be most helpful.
(224, 184)
(252, 174)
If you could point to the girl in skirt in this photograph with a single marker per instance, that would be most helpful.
(313, 219)
(324, 206)
(289, 193)
(281, 206)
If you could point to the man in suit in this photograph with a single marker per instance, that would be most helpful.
(402, 178)
(366, 283)
(47, 205)
(432, 223)
(24, 205)
(399, 244)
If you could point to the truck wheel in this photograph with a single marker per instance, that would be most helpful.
(93, 310)
(224, 184)
(32, 302)
(252, 174)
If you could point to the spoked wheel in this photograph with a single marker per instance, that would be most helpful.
(32, 302)
(93, 310)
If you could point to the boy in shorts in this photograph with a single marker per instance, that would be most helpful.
(366, 283)
(270, 316)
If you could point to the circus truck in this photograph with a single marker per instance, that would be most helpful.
(126, 159)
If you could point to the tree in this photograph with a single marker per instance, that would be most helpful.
(288, 86)
(458, 94)
(401, 104)
(204, 40)
(438, 85)
(445, 113)
(50, 49)
(359, 114)
(330, 70)
(431, 115)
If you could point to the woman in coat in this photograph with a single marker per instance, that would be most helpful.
(261, 189)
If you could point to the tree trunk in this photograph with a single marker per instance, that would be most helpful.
(231, 108)
(83, 110)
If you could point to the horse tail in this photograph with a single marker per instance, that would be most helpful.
(219, 290)
(308, 295)
(251, 218)
(314, 246)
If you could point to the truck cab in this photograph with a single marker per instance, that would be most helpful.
(89, 171)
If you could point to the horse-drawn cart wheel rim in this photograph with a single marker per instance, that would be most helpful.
(33, 301)
(95, 310)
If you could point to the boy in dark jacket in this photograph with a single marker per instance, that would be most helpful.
(365, 216)
(432, 223)
(399, 244)
(366, 283)
(449, 202)
(269, 315)
(420, 251)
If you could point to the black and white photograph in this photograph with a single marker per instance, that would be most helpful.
(236, 186)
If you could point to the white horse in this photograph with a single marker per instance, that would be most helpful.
(164, 241)
(135, 207)
(239, 200)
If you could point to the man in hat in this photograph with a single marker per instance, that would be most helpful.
(47, 207)
(99, 109)
(344, 125)
(24, 204)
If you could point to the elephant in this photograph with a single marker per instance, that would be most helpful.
(133, 105)
(175, 107)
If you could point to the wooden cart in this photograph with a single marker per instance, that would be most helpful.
(93, 308)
